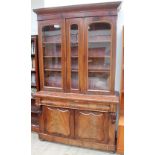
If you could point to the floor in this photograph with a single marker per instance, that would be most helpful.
(47, 148)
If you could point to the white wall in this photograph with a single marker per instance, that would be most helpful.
(50, 3)
(34, 24)
(120, 23)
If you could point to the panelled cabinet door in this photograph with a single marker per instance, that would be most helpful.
(52, 54)
(92, 126)
(58, 121)
(74, 54)
(99, 47)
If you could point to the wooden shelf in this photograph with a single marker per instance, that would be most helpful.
(75, 43)
(74, 70)
(100, 38)
(51, 42)
(52, 56)
(33, 70)
(33, 85)
(106, 56)
(53, 69)
(99, 41)
(35, 109)
(74, 57)
(99, 70)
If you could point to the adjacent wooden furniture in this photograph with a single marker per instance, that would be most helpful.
(122, 78)
(120, 140)
(34, 83)
(77, 52)
(120, 136)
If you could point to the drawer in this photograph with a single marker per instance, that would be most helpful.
(91, 125)
(58, 121)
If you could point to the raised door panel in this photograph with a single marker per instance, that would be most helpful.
(58, 121)
(100, 54)
(52, 57)
(91, 125)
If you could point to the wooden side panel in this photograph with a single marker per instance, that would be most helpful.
(91, 125)
(120, 140)
(112, 127)
(57, 121)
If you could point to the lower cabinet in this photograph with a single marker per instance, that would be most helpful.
(78, 127)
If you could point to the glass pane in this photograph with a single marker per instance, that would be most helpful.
(52, 55)
(33, 90)
(99, 44)
(98, 80)
(53, 79)
(74, 55)
(33, 79)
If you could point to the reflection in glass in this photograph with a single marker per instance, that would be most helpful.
(99, 44)
(33, 78)
(53, 79)
(52, 55)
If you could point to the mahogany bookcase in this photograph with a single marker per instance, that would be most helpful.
(77, 61)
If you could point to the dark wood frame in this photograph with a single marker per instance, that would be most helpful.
(63, 54)
(95, 12)
(79, 22)
(111, 21)
(77, 100)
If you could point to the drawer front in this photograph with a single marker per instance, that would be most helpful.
(91, 125)
(58, 121)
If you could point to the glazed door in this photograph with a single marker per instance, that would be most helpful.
(52, 55)
(75, 41)
(99, 48)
